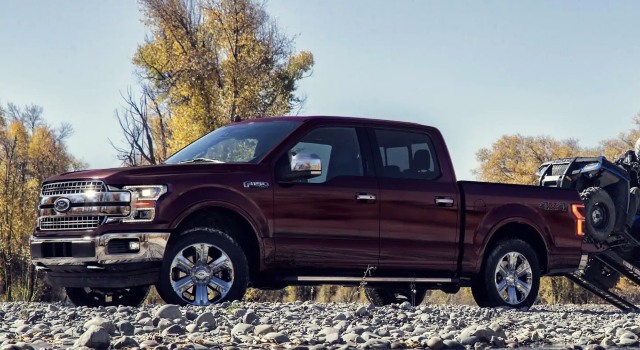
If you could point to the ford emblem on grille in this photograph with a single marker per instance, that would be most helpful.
(62, 205)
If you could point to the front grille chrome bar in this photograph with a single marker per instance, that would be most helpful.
(53, 223)
(72, 187)
(104, 210)
(112, 198)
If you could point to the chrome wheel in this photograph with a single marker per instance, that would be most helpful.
(513, 278)
(201, 274)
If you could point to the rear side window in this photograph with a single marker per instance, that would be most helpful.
(407, 155)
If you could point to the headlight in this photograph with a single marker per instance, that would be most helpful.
(143, 202)
(147, 192)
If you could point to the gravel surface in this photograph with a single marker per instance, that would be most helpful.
(243, 325)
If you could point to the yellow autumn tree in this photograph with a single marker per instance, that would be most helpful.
(204, 65)
(614, 147)
(514, 159)
(30, 151)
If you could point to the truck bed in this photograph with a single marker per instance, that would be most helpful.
(488, 206)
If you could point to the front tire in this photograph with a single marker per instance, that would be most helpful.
(203, 266)
(510, 276)
(94, 297)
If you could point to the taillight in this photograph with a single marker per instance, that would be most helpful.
(578, 212)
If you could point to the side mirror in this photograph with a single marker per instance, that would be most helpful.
(303, 166)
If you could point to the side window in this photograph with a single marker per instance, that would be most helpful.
(396, 156)
(338, 149)
(407, 155)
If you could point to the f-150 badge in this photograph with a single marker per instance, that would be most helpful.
(256, 184)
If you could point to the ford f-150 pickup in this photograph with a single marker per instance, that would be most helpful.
(302, 200)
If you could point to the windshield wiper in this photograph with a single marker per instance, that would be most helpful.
(201, 160)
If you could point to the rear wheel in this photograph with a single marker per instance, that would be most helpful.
(510, 276)
(203, 266)
(94, 297)
(386, 296)
(600, 213)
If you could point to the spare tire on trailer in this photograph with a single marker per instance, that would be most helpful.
(599, 213)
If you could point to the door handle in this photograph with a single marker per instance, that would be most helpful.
(365, 197)
(444, 201)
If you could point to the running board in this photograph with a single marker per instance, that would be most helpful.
(606, 295)
(338, 279)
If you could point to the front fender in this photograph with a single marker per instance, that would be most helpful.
(217, 196)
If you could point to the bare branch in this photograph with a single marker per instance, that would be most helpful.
(134, 121)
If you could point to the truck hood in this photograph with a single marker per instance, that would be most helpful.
(151, 174)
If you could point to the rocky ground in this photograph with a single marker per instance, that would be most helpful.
(243, 325)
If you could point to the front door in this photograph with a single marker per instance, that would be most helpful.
(332, 220)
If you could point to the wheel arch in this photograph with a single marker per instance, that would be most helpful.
(519, 230)
(247, 234)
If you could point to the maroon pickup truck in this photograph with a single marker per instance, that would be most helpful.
(302, 200)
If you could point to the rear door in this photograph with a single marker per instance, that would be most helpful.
(419, 208)
(330, 221)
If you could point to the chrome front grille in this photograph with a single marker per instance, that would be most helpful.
(72, 187)
(53, 223)
(80, 205)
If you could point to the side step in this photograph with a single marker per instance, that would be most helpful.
(343, 279)
(606, 295)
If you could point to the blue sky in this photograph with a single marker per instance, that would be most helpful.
(474, 69)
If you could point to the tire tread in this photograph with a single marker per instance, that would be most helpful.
(483, 287)
(213, 235)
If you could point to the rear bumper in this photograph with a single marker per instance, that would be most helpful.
(104, 261)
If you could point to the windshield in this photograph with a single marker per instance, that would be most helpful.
(235, 143)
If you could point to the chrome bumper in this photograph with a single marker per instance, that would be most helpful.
(93, 251)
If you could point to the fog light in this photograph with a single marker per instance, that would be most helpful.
(134, 246)
(144, 215)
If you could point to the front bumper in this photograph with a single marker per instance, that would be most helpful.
(106, 249)
(100, 261)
